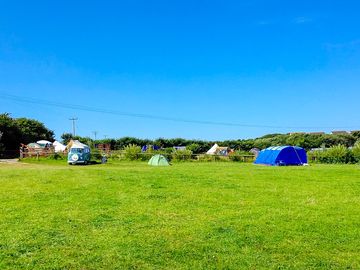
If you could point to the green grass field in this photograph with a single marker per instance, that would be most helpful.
(187, 216)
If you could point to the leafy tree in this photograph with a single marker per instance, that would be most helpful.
(32, 130)
(66, 137)
(296, 139)
(194, 147)
(10, 139)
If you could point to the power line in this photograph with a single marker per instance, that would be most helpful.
(154, 117)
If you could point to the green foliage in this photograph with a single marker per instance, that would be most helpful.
(241, 156)
(125, 141)
(295, 140)
(356, 151)
(95, 154)
(209, 158)
(356, 134)
(307, 141)
(338, 154)
(194, 147)
(22, 130)
(56, 156)
(66, 137)
(181, 155)
(32, 130)
(334, 154)
(132, 152)
(11, 135)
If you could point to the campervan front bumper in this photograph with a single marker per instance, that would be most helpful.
(76, 159)
(76, 162)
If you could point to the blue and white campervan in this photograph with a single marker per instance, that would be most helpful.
(79, 153)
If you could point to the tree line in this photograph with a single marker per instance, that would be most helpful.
(14, 131)
(307, 141)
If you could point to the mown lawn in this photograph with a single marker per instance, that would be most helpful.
(187, 216)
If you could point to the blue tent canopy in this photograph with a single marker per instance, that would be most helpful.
(146, 147)
(282, 155)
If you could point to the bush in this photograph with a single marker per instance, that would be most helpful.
(132, 152)
(335, 154)
(315, 156)
(55, 156)
(194, 147)
(95, 154)
(207, 158)
(356, 152)
(339, 154)
(241, 156)
(181, 155)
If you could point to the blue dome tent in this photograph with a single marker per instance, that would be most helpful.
(282, 156)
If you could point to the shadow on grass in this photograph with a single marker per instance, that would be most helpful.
(91, 162)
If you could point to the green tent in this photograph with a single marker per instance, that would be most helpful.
(158, 160)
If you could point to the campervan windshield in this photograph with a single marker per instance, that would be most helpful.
(76, 150)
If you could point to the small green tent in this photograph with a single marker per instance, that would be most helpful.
(158, 160)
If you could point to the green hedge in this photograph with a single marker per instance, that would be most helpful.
(336, 154)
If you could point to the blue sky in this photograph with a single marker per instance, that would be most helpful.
(280, 66)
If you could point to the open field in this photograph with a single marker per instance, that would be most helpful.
(187, 216)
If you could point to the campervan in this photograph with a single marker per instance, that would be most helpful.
(79, 153)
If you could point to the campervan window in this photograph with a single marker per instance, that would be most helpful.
(76, 150)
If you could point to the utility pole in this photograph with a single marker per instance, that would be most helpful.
(73, 124)
(95, 133)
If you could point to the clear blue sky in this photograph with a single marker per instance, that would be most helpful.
(272, 64)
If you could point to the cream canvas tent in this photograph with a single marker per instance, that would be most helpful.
(76, 144)
(218, 150)
(213, 149)
(59, 147)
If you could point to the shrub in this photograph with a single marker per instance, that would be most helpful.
(241, 156)
(339, 154)
(335, 154)
(194, 147)
(132, 152)
(316, 156)
(207, 158)
(356, 151)
(116, 155)
(181, 155)
(56, 156)
(95, 154)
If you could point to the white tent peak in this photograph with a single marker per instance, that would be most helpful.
(59, 147)
(213, 149)
(77, 144)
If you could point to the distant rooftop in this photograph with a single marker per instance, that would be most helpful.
(336, 132)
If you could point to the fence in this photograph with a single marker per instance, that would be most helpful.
(121, 155)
